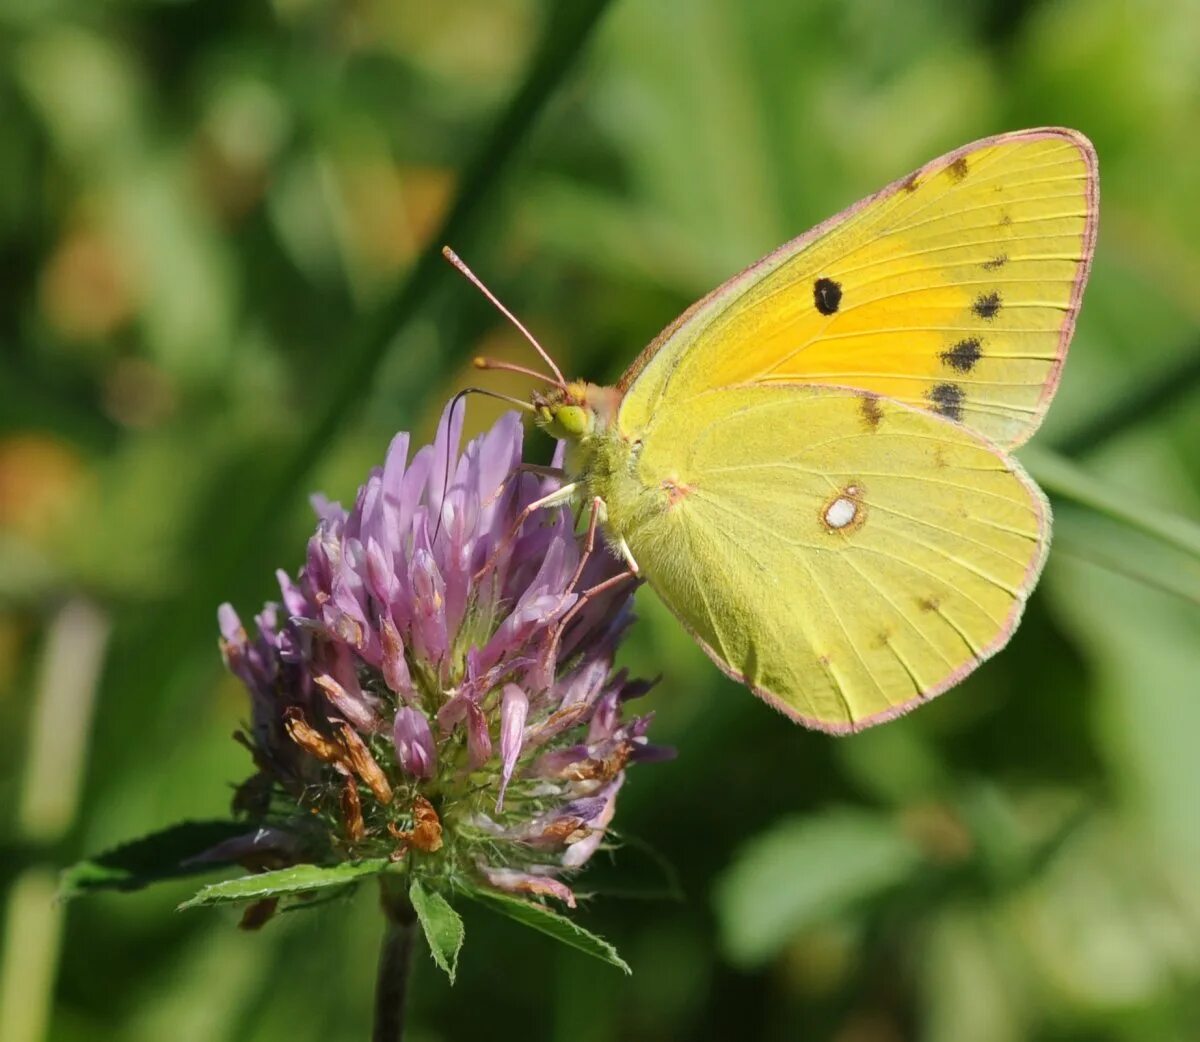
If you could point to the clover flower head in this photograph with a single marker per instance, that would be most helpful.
(436, 684)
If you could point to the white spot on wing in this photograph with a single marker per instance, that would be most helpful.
(841, 512)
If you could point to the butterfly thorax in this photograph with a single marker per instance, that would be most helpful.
(599, 457)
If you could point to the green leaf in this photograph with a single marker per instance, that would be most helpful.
(802, 872)
(541, 918)
(294, 880)
(151, 859)
(442, 925)
(964, 978)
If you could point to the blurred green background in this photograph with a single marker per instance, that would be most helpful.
(212, 302)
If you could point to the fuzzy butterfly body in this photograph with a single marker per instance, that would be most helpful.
(809, 466)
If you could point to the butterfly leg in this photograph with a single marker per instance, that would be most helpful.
(597, 515)
(542, 472)
(589, 543)
(558, 497)
(591, 593)
(525, 468)
(627, 557)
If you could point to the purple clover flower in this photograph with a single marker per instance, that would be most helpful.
(433, 684)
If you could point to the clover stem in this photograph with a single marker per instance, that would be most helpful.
(395, 963)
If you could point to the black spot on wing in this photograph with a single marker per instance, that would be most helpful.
(963, 355)
(958, 169)
(995, 263)
(987, 305)
(911, 184)
(872, 412)
(827, 295)
(947, 400)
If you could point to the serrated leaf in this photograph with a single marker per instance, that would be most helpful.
(802, 872)
(442, 925)
(151, 859)
(293, 880)
(539, 917)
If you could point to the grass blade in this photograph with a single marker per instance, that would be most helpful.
(1063, 480)
(247, 526)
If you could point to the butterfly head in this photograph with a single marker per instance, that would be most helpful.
(575, 411)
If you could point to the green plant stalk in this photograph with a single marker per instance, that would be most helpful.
(60, 729)
(568, 31)
(1063, 480)
(395, 960)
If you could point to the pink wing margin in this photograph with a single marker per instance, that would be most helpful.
(754, 271)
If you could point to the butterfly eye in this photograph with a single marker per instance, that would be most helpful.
(572, 419)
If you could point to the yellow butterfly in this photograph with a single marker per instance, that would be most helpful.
(810, 465)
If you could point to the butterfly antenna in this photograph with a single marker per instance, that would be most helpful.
(512, 367)
(457, 261)
(519, 403)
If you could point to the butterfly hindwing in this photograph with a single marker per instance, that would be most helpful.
(844, 555)
(953, 290)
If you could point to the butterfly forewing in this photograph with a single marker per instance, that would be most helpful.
(954, 290)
